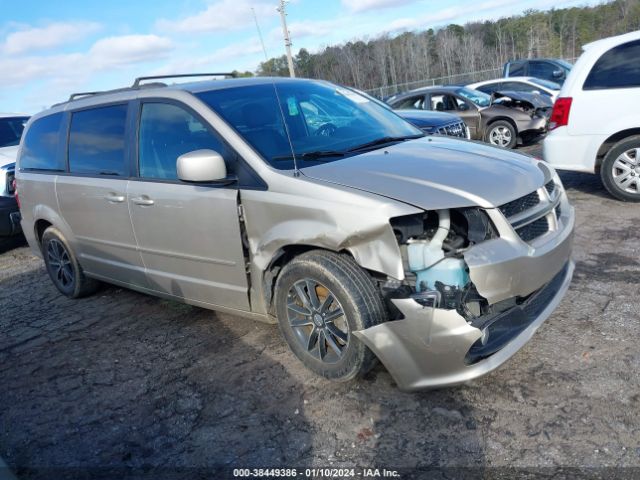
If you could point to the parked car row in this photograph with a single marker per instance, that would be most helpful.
(11, 127)
(501, 119)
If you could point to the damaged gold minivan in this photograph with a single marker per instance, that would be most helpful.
(303, 203)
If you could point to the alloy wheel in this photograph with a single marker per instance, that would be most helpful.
(318, 320)
(60, 264)
(500, 136)
(626, 171)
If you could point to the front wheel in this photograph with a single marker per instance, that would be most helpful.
(501, 134)
(620, 170)
(321, 299)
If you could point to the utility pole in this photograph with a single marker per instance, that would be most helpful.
(287, 38)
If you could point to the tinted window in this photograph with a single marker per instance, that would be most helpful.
(618, 68)
(40, 147)
(517, 87)
(544, 70)
(489, 88)
(516, 69)
(11, 130)
(97, 141)
(168, 131)
(411, 103)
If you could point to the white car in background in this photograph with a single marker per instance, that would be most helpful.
(11, 127)
(519, 84)
(595, 124)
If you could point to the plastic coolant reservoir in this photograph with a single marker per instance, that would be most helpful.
(422, 261)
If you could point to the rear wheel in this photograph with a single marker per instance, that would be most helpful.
(501, 134)
(63, 267)
(620, 170)
(321, 299)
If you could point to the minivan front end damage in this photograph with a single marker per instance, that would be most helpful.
(479, 283)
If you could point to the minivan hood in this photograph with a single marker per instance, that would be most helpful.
(437, 172)
(8, 155)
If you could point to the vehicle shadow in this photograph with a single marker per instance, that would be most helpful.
(584, 182)
(9, 243)
(126, 385)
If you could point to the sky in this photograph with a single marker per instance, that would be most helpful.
(50, 49)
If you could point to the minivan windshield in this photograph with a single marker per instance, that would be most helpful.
(322, 122)
(476, 97)
(11, 130)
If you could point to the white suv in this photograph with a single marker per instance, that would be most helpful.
(595, 124)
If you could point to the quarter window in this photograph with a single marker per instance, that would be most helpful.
(40, 147)
(168, 131)
(97, 141)
(617, 68)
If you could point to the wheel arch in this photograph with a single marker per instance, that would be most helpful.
(509, 120)
(610, 142)
(286, 254)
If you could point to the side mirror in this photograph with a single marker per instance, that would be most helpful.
(201, 166)
(558, 74)
(463, 107)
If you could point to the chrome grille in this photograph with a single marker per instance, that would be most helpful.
(520, 205)
(534, 229)
(454, 130)
(550, 187)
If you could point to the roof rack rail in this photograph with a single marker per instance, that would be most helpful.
(73, 96)
(136, 83)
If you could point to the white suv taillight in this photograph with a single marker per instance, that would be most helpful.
(560, 113)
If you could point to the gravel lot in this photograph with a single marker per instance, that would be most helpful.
(123, 384)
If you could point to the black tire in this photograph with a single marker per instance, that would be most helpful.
(502, 129)
(354, 292)
(611, 174)
(63, 267)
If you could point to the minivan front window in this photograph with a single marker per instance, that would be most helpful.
(320, 121)
(476, 97)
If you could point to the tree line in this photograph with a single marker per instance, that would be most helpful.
(389, 60)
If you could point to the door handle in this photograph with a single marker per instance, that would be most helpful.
(143, 201)
(114, 198)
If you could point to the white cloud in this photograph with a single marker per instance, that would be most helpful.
(234, 51)
(221, 16)
(128, 49)
(364, 5)
(449, 14)
(105, 54)
(43, 38)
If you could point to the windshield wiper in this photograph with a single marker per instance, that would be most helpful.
(310, 155)
(383, 141)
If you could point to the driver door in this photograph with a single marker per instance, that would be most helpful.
(188, 234)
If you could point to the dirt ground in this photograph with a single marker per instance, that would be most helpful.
(123, 385)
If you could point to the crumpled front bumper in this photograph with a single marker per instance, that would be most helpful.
(429, 347)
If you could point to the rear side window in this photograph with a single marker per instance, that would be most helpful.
(544, 70)
(516, 69)
(617, 68)
(40, 146)
(97, 141)
(168, 131)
